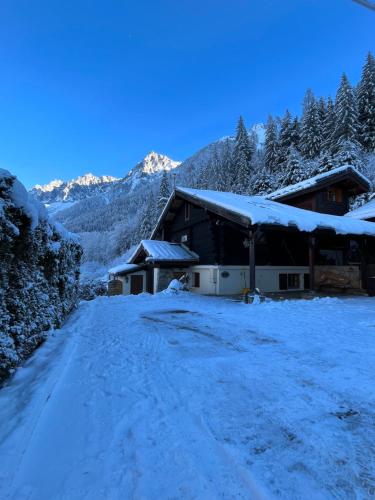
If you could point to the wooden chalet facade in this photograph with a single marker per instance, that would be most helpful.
(242, 242)
(328, 193)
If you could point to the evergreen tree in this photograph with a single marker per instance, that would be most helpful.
(293, 169)
(203, 181)
(322, 109)
(295, 133)
(242, 179)
(215, 169)
(328, 127)
(164, 191)
(242, 142)
(325, 164)
(349, 153)
(311, 133)
(225, 175)
(346, 126)
(242, 156)
(262, 183)
(271, 146)
(285, 137)
(366, 105)
(147, 220)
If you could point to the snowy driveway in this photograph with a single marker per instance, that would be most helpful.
(181, 396)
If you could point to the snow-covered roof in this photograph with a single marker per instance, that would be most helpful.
(124, 269)
(164, 251)
(258, 210)
(366, 211)
(313, 182)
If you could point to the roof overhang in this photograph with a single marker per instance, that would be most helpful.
(131, 269)
(178, 197)
(353, 181)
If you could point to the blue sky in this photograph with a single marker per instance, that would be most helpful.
(94, 86)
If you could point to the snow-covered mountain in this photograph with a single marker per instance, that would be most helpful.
(73, 190)
(152, 164)
(86, 186)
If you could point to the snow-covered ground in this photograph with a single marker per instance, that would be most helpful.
(182, 396)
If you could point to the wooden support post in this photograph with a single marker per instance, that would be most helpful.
(364, 259)
(251, 262)
(312, 243)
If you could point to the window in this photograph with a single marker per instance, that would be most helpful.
(293, 281)
(334, 195)
(289, 281)
(283, 282)
(331, 195)
(187, 211)
(197, 280)
(330, 257)
(184, 238)
(306, 281)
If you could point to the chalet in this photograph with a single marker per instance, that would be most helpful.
(295, 239)
(328, 193)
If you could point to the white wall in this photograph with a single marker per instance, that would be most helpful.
(126, 284)
(267, 277)
(212, 281)
(208, 279)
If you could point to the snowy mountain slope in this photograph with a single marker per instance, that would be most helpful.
(89, 185)
(73, 190)
(160, 397)
(153, 163)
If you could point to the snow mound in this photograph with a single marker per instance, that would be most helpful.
(175, 286)
(21, 199)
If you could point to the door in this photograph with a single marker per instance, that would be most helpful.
(136, 284)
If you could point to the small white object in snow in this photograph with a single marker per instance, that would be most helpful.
(175, 285)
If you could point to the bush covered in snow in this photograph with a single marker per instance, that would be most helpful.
(89, 290)
(38, 276)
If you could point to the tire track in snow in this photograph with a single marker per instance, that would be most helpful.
(183, 439)
(16, 489)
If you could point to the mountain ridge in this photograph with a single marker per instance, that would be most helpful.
(88, 185)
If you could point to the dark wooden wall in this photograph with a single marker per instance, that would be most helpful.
(318, 202)
(200, 232)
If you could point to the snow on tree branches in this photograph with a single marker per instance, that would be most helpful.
(38, 276)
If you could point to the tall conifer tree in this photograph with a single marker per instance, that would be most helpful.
(311, 133)
(271, 146)
(242, 156)
(285, 136)
(346, 126)
(164, 190)
(328, 127)
(366, 105)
